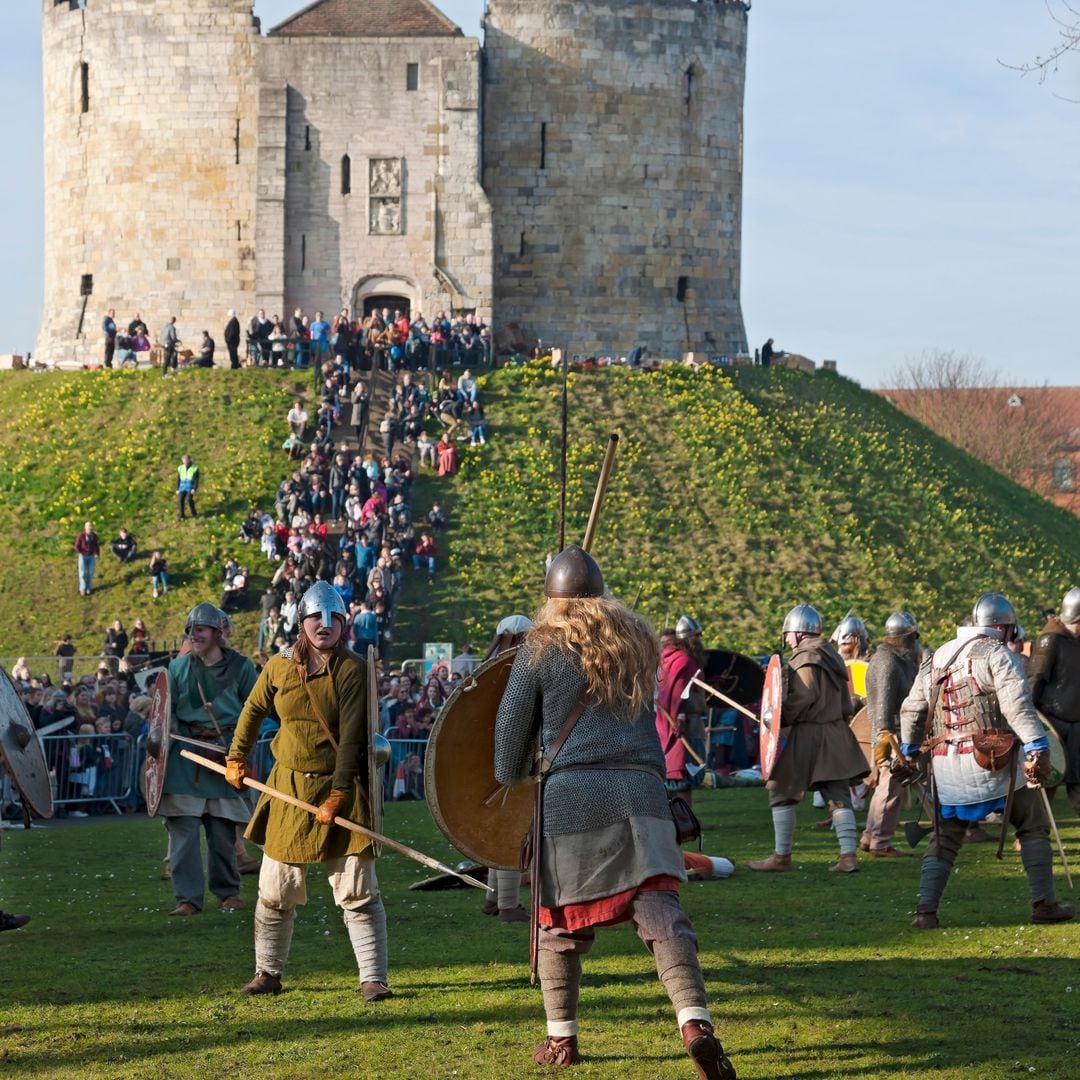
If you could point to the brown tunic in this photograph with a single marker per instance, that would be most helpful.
(817, 707)
(306, 765)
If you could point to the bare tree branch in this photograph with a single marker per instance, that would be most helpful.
(1066, 17)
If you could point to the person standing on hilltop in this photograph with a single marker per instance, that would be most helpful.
(169, 342)
(88, 549)
(108, 328)
(232, 339)
(187, 483)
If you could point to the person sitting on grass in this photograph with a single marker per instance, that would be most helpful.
(124, 546)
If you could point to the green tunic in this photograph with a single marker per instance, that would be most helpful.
(224, 686)
(306, 765)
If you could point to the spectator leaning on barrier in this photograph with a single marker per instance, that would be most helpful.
(88, 549)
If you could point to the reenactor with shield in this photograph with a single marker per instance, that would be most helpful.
(603, 841)
(889, 677)
(821, 753)
(973, 697)
(1054, 672)
(207, 687)
(680, 717)
(323, 755)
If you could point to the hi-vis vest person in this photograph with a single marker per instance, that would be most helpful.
(187, 475)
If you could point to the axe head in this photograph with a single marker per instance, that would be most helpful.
(692, 769)
(915, 831)
(690, 685)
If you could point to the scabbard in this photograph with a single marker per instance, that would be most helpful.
(1008, 800)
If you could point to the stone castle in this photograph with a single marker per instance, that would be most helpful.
(579, 175)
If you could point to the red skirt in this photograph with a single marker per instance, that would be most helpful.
(608, 910)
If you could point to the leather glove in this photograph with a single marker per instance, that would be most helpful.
(331, 807)
(235, 771)
(1037, 768)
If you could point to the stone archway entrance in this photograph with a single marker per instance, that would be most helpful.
(384, 291)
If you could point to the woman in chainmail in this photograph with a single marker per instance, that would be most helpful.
(584, 681)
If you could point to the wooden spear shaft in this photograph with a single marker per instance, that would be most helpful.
(727, 701)
(601, 488)
(345, 823)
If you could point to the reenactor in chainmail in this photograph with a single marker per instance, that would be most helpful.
(851, 638)
(821, 753)
(1054, 672)
(889, 676)
(583, 681)
(974, 698)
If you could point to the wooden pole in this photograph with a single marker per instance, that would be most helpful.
(601, 488)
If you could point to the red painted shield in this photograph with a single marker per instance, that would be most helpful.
(157, 741)
(772, 697)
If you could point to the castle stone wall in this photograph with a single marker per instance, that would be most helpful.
(414, 212)
(144, 190)
(612, 159)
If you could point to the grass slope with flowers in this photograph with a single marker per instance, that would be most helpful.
(104, 446)
(735, 494)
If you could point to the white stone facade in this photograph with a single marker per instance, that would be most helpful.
(193, 165)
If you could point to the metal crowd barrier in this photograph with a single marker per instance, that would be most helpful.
(88, 770)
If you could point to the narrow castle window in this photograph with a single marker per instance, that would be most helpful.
(543, 144)
(236, 141)
(689, 87)
(412, 76)
(346, 175)
(303, 251)
(84, 74)
(86, 285)
(238, 237)
(307, 137)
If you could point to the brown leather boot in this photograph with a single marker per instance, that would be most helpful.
(706, 1052)
(1051, 911)
(558, 1050)
(513, 914)
(846, 864)
(925, 918)
(888, 853)
(490, 907)
(375, 991)
(263, 983)
(184, 908)
(774, 864)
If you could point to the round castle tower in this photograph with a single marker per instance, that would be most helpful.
(613, 162)
(150, 145)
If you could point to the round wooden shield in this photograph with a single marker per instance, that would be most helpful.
(772, 698)
(157, 740)
(1058, 760)
(483, 820)
(857, 676)
(860, 728)
(740, 677)
(21, 752)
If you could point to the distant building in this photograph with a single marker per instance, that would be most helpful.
(579, 175)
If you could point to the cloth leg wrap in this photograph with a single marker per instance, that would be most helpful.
(680, 971)
(933, 877)
(367, 932)
(846, 832)
(1038, 860)
(508, 889)
(273, 936)
(560, 981)
(783, 820)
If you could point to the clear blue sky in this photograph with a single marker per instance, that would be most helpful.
(903, 190)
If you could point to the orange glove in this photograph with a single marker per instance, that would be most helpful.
(235, 771)
(331, 806)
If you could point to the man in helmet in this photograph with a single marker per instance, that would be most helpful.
(318, 689)
(889, 676)
(821, 753)
(678, 718)
(1054, 672)
(207, 688)
(583, 680)
(851, 638)
(968, 700)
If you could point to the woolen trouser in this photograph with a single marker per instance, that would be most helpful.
(185, 858)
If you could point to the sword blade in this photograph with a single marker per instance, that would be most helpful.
(1057, 835)
(345, 823)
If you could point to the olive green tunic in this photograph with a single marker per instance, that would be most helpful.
(305, 763)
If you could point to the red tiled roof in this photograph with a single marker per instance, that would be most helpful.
(368, 18)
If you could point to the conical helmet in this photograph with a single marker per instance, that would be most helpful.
(573, 574)
(322, 599)
(204, 614)
(900, 624)
(802, 619)
(687, 628)
(1070, 607)
(992, 609)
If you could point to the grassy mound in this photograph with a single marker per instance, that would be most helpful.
(104, 446)
(735, 496)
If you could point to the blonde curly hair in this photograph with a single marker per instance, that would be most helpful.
(618, 651)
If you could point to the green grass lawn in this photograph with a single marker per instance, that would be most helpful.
(810, 976)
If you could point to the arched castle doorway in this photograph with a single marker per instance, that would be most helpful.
(383, 291)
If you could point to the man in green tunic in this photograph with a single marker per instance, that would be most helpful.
(207, 688)
(318, 689)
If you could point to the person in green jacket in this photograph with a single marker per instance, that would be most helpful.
(207, 688)
(317, 687)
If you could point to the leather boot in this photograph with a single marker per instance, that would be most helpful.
(888, 853)
(1051, 911)
(774, 864)
(706, 1052)
(514, 914)
(376, 991)
(558, 1050)
(846, 864)
(263, 983)
(925, 918)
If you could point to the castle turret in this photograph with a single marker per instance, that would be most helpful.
(150, 166)
(613, 162)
